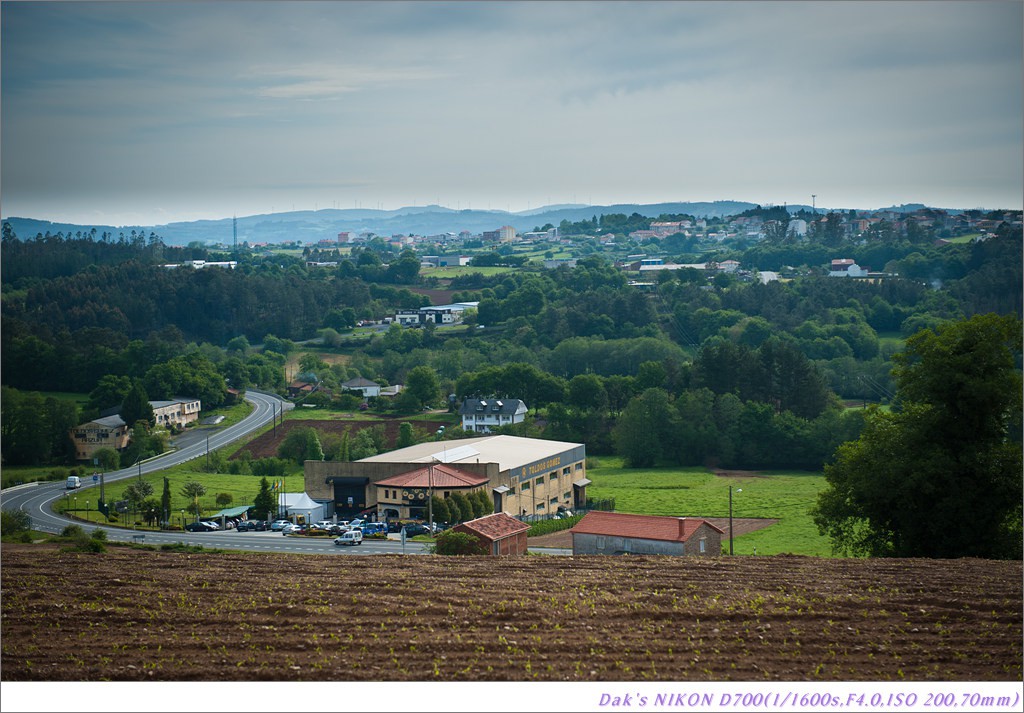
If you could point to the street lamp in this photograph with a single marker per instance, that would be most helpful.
(86, 509)
(738, 490)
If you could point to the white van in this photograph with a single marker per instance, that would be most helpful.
(352, 537)
(74, 482)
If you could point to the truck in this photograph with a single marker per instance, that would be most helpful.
(74, 482)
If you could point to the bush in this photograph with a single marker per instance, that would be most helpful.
(72, 531)
(545, 527)
(457, 543)
(14, 522)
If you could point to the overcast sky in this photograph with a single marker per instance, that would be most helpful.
(153, 112)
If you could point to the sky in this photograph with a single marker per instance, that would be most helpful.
(126, 113)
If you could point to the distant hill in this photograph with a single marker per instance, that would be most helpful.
(311, 226)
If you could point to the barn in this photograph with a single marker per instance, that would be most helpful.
(614, 533)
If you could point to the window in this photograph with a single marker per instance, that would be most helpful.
(540, 506)
(553, 501)
(600, 543)
(553, 476)
(579, 466)
(703, 545)
(512, 490)
(566, 496)
(526, 486)
(540, 480)
(566, 470)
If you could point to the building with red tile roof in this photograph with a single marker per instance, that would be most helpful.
(499, 534)
(405, 495)
(622, 533)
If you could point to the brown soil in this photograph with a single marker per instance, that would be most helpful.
(266, 445)
(437, 297)
(163, 616)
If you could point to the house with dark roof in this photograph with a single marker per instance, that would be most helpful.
(364, 386)
(498, 534)
(106, 432)
(615, 533)
(481, 415)
(406, 495)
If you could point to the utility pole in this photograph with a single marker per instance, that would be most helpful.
(813, 208)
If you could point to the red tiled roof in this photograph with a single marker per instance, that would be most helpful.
(645, 527)
(496, 526)
(443, 476)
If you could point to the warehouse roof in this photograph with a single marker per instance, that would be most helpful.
(507, 451)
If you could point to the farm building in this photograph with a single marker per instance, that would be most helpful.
(499, 534)
(525, 476)
(613, 533)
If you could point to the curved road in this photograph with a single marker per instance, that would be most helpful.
(38, 498)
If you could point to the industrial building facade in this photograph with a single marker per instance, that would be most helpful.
(525, 476)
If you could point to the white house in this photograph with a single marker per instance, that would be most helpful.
(481, 415)
(364, 386)
(847, 268)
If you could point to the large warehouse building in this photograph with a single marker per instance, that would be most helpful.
(524, 476)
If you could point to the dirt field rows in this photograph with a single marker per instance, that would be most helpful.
(133, 615)
(267, 444)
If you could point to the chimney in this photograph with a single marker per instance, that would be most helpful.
(682, 528)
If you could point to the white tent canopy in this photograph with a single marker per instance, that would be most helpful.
(299, 504)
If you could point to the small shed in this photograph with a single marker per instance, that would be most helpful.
(614, 533)
(499, 534)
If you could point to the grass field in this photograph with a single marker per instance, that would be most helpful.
(242, 488)
(696, 492)
(450, 272)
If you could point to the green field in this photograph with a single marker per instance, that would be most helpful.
(450, 272)
(242, 488)
(696, 492)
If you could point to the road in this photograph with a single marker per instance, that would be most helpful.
(38, 498)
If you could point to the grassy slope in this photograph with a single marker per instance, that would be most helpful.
(786, 496)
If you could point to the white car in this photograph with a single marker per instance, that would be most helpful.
(278, 525)
(352, 537)
(290, 528)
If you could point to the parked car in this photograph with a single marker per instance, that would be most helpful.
(352, 537)
(251, 526)
(212, 524)
(278, 525)
(293, 529)
(374, 528)
(200, 527)
(415, 528)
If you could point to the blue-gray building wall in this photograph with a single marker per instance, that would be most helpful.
(584, 544)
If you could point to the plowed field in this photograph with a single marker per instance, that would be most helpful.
(162, 616)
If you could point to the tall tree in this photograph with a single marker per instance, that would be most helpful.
(942, 476)
(193, 490)
(135, 406)
(264, 504)
(422, 383)
(641, 435)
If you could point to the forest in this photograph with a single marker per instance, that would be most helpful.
(698, 370)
